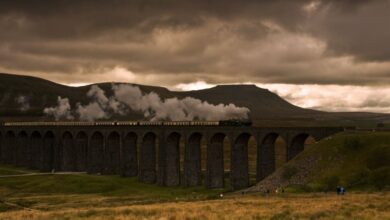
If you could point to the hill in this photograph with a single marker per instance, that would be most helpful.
(265, 106)
(358, 161)
(262, 103)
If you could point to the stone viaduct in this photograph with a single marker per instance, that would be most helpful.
(151, 152)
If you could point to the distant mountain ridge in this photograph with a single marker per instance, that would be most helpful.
(41, 93)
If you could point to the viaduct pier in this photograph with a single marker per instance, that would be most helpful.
(150, 150)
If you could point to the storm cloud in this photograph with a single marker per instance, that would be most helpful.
(301, 42)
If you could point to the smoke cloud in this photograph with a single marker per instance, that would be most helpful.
(91, 112)
(130, 98)
(61, 111)
(156, 109)
(23, 102)
(101, 107)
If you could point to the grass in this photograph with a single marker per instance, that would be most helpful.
(95, 184)
(51, 192)
(287, 206)
(10, 170)
(359, 157)
(358, 161)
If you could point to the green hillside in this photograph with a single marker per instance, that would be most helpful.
(358, 161)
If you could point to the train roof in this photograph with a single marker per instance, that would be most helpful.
(110, 123)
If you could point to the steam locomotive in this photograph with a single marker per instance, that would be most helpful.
(235, 123)
(134, 123)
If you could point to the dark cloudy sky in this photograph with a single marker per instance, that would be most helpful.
(332, 55)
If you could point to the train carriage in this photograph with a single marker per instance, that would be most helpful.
(133, 123)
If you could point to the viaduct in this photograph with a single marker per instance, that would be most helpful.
(150, 152)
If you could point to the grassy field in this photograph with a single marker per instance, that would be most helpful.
(45, 191)
(82, 196)
(286, 206)
(10, 170)
(96, 184)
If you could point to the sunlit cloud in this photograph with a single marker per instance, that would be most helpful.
(77, 84)
(335, 97)
(312, 6)
(321, 97)
(193, 86)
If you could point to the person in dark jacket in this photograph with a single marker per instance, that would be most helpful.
(342, 190)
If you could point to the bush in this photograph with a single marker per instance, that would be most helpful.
(288, 172)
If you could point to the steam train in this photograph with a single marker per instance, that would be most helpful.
(134, 123)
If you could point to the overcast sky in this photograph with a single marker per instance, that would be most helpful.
(331, 55)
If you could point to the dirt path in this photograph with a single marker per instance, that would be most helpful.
(42, 174)
(18, 206)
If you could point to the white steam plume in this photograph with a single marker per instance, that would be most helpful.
(127, 97)
(90, 112)
(61, 111)
(23, 103)
(101, 107)
(175, 109)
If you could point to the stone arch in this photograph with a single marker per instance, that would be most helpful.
(48, 152)
(24, 150)
(68, 152)
(215, 161)
(147, 160)
(95, 153)
(129, 160)
(81, 148)
(192, 160)
(239, 175)
(36, 150)
(297, 145)
(112, 154)
(10, 147)
(266, 154)
(172, 160)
